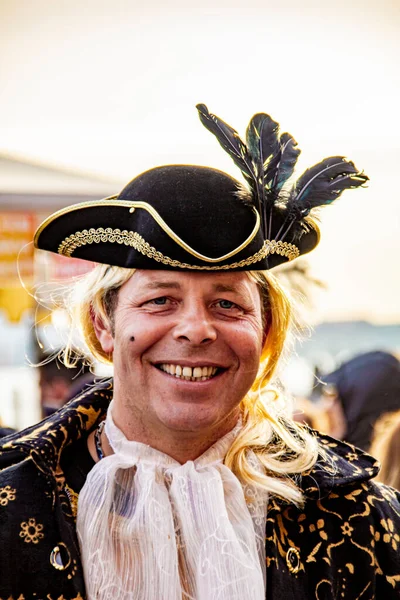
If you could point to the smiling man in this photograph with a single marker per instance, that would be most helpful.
(184, 477)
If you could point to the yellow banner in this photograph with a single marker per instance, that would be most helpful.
(16, 247)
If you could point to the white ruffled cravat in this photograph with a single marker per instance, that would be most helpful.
(150, 528)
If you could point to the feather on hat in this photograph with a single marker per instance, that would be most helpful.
(267, 163)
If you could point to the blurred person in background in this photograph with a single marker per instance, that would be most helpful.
(385, 447)
(59, 383)
(185, 477)
(358, 393)
(310, 413)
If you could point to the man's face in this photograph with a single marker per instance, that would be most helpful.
(186, 348)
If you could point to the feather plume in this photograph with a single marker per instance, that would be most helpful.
(230, 142)
(322, 184)
(267, 163)
(285, 162)
(250, 162)
(262, 137)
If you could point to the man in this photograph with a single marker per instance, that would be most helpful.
(185, 476)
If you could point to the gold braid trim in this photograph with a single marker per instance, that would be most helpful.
(73, 500)
(134, 240)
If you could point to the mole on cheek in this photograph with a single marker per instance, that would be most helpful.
(132, 339)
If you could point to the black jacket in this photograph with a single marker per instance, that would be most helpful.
(344, 544)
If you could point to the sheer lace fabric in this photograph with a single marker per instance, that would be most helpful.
(150, 528)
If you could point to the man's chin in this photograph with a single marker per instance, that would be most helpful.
(196, 420)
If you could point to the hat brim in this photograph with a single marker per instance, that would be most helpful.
(107, 231)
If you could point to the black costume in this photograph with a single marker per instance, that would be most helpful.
(344, 543)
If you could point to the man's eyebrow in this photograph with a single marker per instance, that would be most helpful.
(166, 285)
(222, 287)
(218, 287)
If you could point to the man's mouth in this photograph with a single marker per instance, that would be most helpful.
(198, 373)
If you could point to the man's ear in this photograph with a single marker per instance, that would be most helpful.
(103, 333)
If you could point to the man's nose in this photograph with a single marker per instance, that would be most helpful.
(195, 325)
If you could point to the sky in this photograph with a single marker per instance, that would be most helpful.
(110, 87)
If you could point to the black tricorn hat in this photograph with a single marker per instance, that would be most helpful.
(198, 218)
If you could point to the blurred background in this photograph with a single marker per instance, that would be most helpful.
(94, 92)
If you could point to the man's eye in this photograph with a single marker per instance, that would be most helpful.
(159, 301)
(226, 304)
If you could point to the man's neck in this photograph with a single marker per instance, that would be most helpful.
(182, 446)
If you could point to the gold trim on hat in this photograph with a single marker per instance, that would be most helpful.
(136, 241)
(111, 201)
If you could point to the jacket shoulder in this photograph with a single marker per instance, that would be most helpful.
(37, 532)
(339, 464)
(344, 542)
(347, 539)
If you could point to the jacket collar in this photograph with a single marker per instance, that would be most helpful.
(45, 441)
(340, 464)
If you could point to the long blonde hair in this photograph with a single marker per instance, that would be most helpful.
(385, 447)
(284, 448)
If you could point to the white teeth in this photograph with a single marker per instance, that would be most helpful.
(189, 373)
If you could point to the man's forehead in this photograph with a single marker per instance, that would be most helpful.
(233, 281)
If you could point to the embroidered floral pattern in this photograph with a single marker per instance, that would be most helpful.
(347, 529)
(31, 531)
(351, 456)
(320, 528)
(376, 535)
(391, 537)
(7, 494)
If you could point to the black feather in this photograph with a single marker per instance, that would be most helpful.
(274, 158)
(322, 184)
(285, 162)
(262, 137)
(230, 142)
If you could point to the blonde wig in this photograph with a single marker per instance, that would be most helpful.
(386, 448)
(284, 448)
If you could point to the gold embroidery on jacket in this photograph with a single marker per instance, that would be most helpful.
(73, 499)
(31, 531)
(7, 494)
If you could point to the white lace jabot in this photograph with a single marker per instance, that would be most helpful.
(150, 528)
